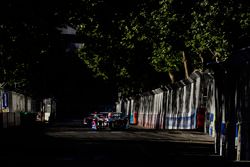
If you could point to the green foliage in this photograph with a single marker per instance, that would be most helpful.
(205, 30)
(216, 28)
(26, 31)
(170, 24)
(206, 33)
(113, 44)
(165, 59)
(131, 43)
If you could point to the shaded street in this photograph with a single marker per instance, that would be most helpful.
(73, 145)
(177, 66)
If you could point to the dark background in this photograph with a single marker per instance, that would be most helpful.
(64, 76)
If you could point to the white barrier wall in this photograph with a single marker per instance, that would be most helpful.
(158, 114)
(209, 94)
(16, 102)
(173, 106)
(49, 109)
(181, 105)
(13, 104)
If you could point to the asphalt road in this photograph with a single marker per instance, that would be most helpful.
(67, 145)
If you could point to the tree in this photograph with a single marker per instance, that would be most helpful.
(29, 35)
(175, 36)
(26, 30)
(217, 29)
(108, 49)
(188, 35)
(171, 23)
(135, 44)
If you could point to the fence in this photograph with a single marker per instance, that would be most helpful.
(18, 109)
(232, 94)
(217, 99)
(174, 106)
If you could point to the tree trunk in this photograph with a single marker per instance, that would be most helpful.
(202, 61)
(171, 76)
(184, 59)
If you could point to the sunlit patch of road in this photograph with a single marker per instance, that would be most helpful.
(169, 136)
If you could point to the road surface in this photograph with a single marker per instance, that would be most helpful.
(77, 146)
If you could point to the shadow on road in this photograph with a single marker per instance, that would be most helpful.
(76, 147)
